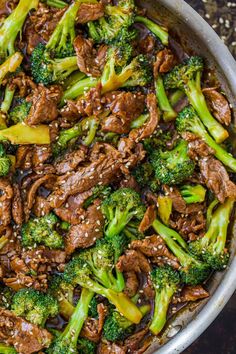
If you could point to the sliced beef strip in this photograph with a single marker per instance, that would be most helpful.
(41, 206)
(44, 104)
(26, 337)
(218, 105)
(165, 61)
(130, 182)
(150, 126)
(147, 44)
(155, 248)
(70, 215)
(6, 196)
(70, 160)
(29, 156)
(149, 217)
(101, 171)
(190, 226)
(133, 260)
(23, 83)
(197, 148)
(136, 343)
(41, 154)
(87, 56)
(92, 329)
(90, 12)
(110, 348)
(217, 179)
(17, 206)
(192, 293)
(131, 283)
(88, 231)
(179, 203)
(91, 103)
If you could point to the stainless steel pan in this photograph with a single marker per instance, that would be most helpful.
(198, 37)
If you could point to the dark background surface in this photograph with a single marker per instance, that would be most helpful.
(220, 337)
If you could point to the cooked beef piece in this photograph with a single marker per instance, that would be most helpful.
(41, 153)
(17, 206)
(132, 154)
(69, 112)
(6, 196)
(155, 248)
(189, 226)
(130, 182)
(101, 171)
(131, 283)
(197, 148)
(70, 161)
(135, 343)
(149, 217)
(22, 83)
(29, 156)
(70, 215)
(90, 12)
(92, 329)
(191, 293)
(88, 231)
(165, 61)
(31, 193)
(110, 348)
(217, 179)
(90, 104)
(218, 105)
(133, 260)
(40, 25)
(125, 108)
(26, 337)
(179, 203)
(146, 45)
(150, 126)
(41, 206)
(87, 56)
(44, 104)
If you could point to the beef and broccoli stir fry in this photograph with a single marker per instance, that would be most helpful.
(116, 177)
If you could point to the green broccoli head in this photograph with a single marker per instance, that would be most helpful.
(174, 166)
(145, 176)
(19, 113)
(5, 162)
(117, 327)
(5, 349)
(100, 192)
(42, 231)
(93, 308)
(47, 70)
(165, 281)
(120, 208)
(35, 306)
(85, 346)
(118, 243)
(193, 194)
(114, 26)
(212, 246)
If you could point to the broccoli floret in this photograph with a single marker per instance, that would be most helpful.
(35, 306)
(165, 281)
(5, 162)
(93, 308)
(174, 166)
(131, 231)
(12, 25)
(158, 140)
(42, 231)
(114, 26)
(81, 271)
(163, 101)
(6, 295)
(193, 271)
(10, 65)
(145, 176)
(5, 349)
(21, 133)
(85, 346)
(187, 77)
(120, 208)
(59, 4)
(193, 194)
(47, 70)
(86, 128)
(20, 111)
(157, 30)
(117, 327)
(66, 342)
(188, 120)
(100, 192)
(212, 246)
(119, 243)
(63, 292)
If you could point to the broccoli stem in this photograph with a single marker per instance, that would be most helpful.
(64, 67)
(56, 3)
(118, 223)
(165, 106)
(162, 301)
(79, 89)
(197, 100)
(13, 25)
(5, 349)
(74, 327)
(8, 98)
(23, 134)
(91, 124)
(175, 97)
(159, 31)
(66, 309)
(10, 65)
(210, 211)
(140, 121)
